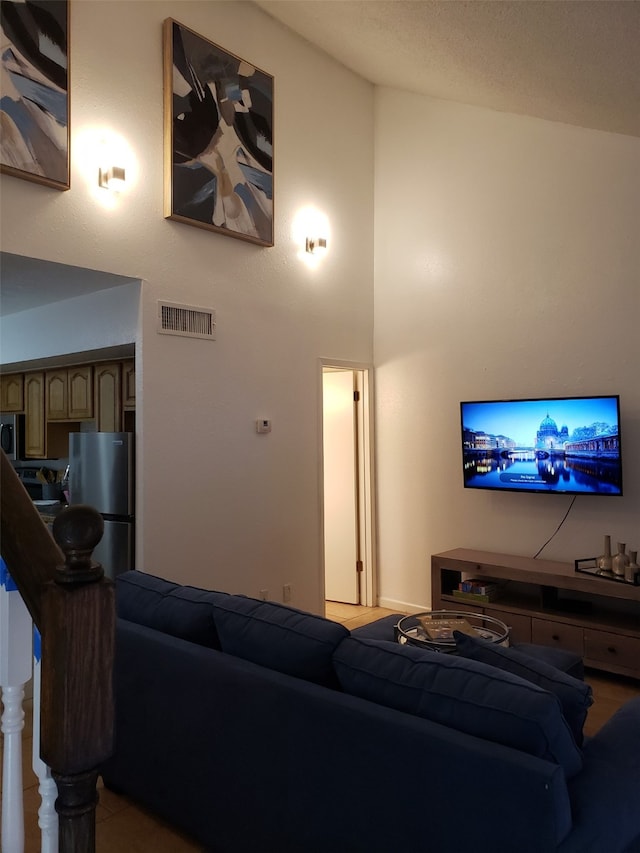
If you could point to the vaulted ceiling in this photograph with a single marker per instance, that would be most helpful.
(574, 61)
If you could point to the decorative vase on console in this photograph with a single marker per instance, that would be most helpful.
(605, 561)
(632, 567)
(620, 561)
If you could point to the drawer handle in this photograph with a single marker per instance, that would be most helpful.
(612, 649)
(555, 637)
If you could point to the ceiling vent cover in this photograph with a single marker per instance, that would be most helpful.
(186, 320)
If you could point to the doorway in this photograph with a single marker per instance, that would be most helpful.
(347, 478)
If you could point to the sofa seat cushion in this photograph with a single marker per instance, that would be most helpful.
(466, 695)
(279, 637)
(576, 697)
(181, 611)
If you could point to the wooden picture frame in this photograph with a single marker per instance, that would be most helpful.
(218, 138)
(34, 91)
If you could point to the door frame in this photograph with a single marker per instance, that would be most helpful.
(363, 373)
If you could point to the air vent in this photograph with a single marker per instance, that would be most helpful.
(186, 320)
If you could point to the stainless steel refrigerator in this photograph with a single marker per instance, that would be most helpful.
(101, 474)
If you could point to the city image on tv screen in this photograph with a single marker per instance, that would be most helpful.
(567, 445)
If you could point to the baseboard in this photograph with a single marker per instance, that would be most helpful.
(402, 606)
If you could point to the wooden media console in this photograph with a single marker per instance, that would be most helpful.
(549, 603)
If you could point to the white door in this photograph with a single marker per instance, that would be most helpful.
(341, 533)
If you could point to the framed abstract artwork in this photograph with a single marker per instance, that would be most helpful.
(218, 138)
(34, 91)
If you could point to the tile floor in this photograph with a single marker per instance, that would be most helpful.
(122, 827)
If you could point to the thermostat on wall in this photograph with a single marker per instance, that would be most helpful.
(263, 426)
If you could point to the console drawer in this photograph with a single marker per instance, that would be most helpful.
(519, 625)
(569, 637)
(618, 652)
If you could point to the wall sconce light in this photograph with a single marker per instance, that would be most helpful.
(316, 245)
(112, 178)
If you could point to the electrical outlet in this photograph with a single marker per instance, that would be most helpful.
(286, 592)
(264, 594)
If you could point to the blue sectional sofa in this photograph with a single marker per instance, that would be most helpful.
(257, 728)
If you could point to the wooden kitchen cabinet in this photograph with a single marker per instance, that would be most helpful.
(80, 386)
(55, 400)
(69, 394)
(128, 385)
(34, 439)
(12, 393)
(107, 396)
(56, 395)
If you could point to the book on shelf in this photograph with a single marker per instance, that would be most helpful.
(477, 597)
(441, 630)
(480, 587)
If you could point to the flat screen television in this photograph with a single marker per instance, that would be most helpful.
(558, 445)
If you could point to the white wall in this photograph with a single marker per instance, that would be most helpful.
(220, 505)
(507, 263)
(99, 320)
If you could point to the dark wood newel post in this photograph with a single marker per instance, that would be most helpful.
(78, 626)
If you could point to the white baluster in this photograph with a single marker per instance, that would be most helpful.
(12, 804)
(48, 790)
(15, 671)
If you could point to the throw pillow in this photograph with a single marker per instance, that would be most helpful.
(466, 695)
(575, 696)
(279, 637)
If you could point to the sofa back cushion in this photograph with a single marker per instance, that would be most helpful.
(181, 611)
(576, 697)
(279, 637)
(465, 695)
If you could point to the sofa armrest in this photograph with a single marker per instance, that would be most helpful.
(381, 629)
(605, 796)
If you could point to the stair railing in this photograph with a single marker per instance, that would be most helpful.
(72, 605)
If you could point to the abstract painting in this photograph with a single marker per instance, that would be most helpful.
(34, 91)
(218, 115)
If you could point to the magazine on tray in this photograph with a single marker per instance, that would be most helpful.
(442, 629)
